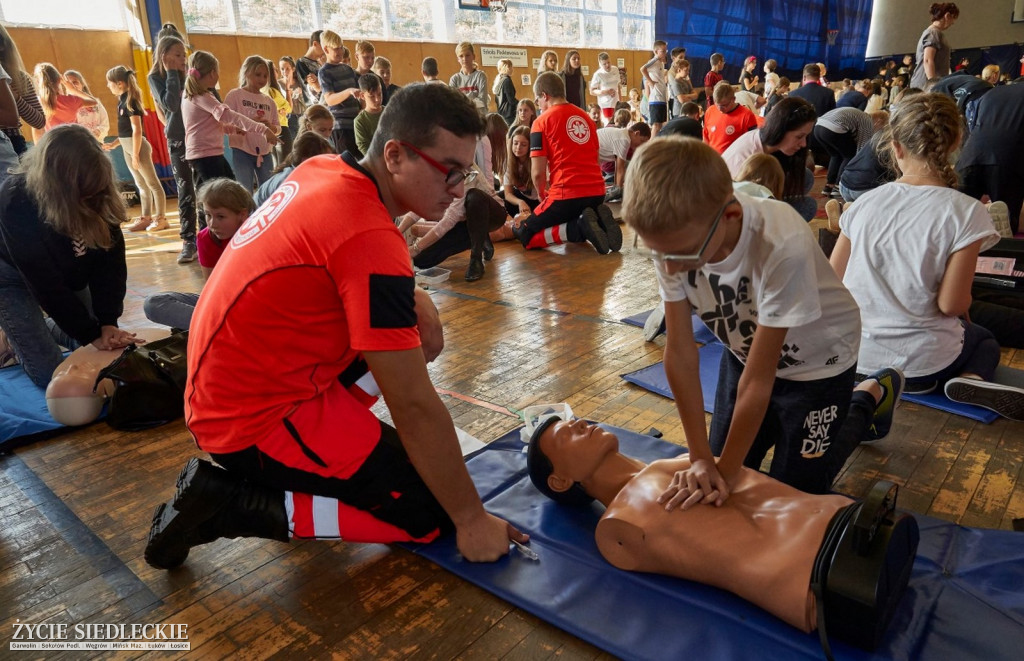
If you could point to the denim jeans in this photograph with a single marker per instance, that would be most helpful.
(171, 308)
(36, 340)
(246, 172)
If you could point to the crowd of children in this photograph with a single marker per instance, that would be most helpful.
(799, 329)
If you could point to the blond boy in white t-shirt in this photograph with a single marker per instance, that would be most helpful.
(754, 274)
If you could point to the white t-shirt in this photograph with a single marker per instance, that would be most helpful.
(776, 276)
(741, 149)
(901, 238)
(606, 80)
(771, 81)
(613, 142)
(748, 99)
(659, 74)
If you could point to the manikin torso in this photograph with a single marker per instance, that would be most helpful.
(759, 545)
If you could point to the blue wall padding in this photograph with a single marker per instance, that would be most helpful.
(965, 599)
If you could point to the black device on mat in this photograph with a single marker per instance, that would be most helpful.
(862, 569)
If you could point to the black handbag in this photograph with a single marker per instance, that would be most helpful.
(862, 569)
(149, 384)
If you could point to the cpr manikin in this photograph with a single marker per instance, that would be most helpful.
(70, 398)
(760, 544)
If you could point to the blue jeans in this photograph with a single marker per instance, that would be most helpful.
(171, 308)
(246, 172)
(36, 340)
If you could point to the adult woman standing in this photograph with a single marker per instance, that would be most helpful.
(932, 49)
(61, 249)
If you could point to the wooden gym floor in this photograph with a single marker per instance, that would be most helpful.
(541, 326)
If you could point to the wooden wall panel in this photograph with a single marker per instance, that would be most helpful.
(94, 51)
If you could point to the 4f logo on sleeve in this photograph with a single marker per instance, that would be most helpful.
(265, 216)
(578, 129)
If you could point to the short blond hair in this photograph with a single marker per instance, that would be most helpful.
(674, 183)
(363, 46)
(330, 39)
(464, 47)
(504, 66)
(723, 91)
(990, 71)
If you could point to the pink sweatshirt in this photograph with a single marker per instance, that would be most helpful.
(207, 120)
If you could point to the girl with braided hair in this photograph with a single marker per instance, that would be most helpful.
(908, 251)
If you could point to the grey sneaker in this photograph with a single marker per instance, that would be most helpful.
(188, 252)
(655, 324)
(590, 225)
(1007, 401)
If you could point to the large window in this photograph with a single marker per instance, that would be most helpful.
(580, 23)
(98, 14)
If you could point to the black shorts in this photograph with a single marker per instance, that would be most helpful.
(658, 112)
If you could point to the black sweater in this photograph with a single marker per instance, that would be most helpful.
(55, 266)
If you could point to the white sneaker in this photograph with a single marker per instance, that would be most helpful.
(1001, 218)
(1007, 401)
(655, 324)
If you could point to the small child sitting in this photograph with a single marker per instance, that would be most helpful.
(226, 205)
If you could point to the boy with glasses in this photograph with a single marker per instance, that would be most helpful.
(754, 275)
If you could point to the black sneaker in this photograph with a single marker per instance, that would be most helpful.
(891, 380)
(610, 226)
(1007, 401)
(590, 225)
(188, 252)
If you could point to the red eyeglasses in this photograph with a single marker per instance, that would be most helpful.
(452, 176)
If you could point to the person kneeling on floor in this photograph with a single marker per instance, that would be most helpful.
(563, 141)
(318, 283)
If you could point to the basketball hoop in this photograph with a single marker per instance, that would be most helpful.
(498, 6)
(831, 35)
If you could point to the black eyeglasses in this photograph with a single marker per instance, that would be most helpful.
(685, 262)
(452, 176)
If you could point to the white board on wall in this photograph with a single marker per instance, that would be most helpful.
(896, 25)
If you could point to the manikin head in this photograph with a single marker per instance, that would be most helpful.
(70, 398)
(562, 454)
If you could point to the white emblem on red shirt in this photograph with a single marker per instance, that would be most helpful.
(578, 129)
(265, 216)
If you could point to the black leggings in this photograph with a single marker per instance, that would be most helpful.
(557, 212)
(484, 214)
(210, 167)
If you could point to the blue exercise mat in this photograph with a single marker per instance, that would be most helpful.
(965, 599)
(653, 377)
(701, 333)
(22, 407)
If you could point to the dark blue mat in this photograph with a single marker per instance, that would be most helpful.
(965, 600)
(653, 377)
(701, 333)
(22, 407)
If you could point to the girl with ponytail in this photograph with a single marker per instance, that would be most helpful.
(207, 119)
(908, 252)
